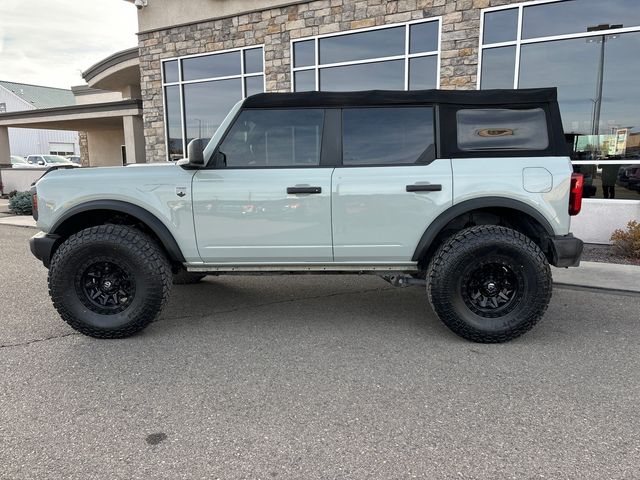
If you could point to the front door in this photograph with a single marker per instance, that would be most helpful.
(268, 199)
(390, 186)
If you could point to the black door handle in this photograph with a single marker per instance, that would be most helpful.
(429, 187)
(294, 190)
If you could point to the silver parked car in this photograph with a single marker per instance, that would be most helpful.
(467, 193)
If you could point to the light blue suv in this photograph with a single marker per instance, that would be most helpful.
(469, 193)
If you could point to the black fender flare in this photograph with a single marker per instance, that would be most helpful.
(475, 204)
(149, 219)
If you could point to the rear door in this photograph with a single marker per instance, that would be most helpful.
(268, 199)
(390, 185)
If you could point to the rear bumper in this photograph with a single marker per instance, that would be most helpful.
(566, 250)
(41, 245)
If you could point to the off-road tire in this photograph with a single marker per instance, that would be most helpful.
(147, 270)
(478, 248)
(187, 278)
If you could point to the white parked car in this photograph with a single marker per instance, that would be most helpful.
(18, 162)
(48, 161)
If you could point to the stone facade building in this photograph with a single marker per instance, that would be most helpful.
(199, 57)
(276, 27)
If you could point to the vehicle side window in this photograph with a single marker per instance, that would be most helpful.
(274, 138)
(387, 136)
(502, 129)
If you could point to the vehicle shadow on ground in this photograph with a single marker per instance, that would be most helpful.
(366, 301)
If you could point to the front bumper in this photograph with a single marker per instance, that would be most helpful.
(42, 245)
(566, 250)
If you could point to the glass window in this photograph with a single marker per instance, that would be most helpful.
(174, 122)
(502, 129)
(171, 71)
(500, 26)
(423, 72)
(304, 53)
(387, 136)
(305, 81)
(275, 138)
(361, 46)
(206, 104)
(254, 85)
(379, 75)
(210, 66)
(3, 107)
(576, 16)
(253, 60)
(498, 66)
(423, 37)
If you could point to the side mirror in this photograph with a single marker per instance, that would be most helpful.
(195, 152)
(40, 162)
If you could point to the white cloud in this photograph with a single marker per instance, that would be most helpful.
(49, 42)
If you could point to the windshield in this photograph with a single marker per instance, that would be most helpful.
(55, 159)
(213, 143)
(17, 159)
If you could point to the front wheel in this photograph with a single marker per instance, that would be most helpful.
(109, 281)
(489, 284)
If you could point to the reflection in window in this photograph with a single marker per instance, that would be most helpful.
(174, 123)
(360, 46)
(498, 65)
(206, 104)
(423, 73)
(387, 136)
(394, 58)
(366, 76)
(500, 26)
(211, 66)
(577, 16)
(274, 138)
(501, 129)
(205, 93)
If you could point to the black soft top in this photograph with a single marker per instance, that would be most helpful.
(396, 97)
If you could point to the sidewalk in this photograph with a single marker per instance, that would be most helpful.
(608, 276)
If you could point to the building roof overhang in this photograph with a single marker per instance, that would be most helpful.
(96, 116)
(115, 72)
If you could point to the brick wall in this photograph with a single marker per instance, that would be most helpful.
(83, 141)
(277, 26)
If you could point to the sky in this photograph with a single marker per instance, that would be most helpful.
(49, 42)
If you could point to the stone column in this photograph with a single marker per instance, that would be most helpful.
(134, 139)
(5, 151)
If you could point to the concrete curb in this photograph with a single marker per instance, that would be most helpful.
(19, 221)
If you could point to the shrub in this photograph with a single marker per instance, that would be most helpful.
(20, 203)
(627, 243)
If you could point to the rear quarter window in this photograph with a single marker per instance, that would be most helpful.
(481, 129)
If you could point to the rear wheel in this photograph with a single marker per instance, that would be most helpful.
(109, 281)
(489, 284)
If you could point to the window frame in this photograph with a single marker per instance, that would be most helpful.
(436, 143)
(180, 83)
(406, 56)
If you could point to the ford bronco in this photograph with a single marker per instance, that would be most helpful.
(468, 193)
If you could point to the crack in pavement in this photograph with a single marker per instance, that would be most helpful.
(231, 310)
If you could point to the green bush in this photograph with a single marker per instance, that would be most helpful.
(627, 243)
(20, 203)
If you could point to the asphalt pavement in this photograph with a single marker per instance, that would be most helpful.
(313, 377)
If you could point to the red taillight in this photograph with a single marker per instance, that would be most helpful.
(575, 194)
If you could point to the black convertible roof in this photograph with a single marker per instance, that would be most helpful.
(395, 97)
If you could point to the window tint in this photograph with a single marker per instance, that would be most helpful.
(423, 72)
(171, 71)
(304, 53)
(367, 76)
(500, 26)
(575, 16)
(253, 60)
(387, 136)
(359, 46)
(498, 66)
(210, 66)
(275, 138)
(502, 129)
(423, 37)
